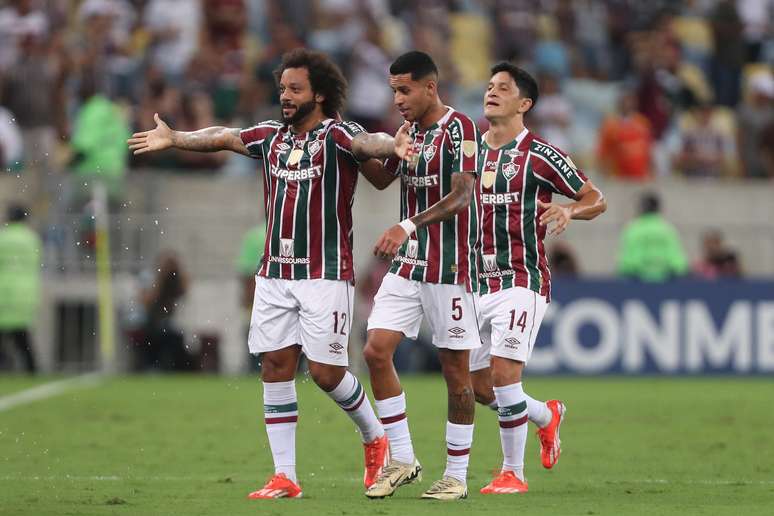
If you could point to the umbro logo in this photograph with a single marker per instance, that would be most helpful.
(335, 348)
(512, 343)
(456, 332)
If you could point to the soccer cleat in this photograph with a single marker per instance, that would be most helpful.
(394, 475)
(377, 455)
(505, 483)
(448, 488)
(550, 445)
(279, 486)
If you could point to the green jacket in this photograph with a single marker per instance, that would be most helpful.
(251, 251)
(19, 276)
(650, 250)
(99, 141)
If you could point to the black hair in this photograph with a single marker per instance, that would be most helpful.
(324, 76)
(417, 63)
(650, 203)
(528, 87)
(17, 213)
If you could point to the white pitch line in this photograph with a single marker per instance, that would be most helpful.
(48, 390)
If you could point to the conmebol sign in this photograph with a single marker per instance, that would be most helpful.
(686, 327)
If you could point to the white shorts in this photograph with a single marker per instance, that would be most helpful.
(400, 304)
(315, 313)
(509, 321)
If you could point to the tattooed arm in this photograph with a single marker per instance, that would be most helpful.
(210, 139)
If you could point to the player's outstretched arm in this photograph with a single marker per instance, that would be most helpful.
(589, 203)
(373, 170)
(458, 199)
(382, 145)
(210, 139)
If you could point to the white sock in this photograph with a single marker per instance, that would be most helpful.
(351, 396)
(459, 438)
(538, 411)
(392, 412)
(280, 411)
(512, 415)
(493, 405)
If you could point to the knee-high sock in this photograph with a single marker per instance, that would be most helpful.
(280, 409)
(512, 415)
(392, 412)
(350, 396)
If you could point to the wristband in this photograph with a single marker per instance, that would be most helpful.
(408, 226)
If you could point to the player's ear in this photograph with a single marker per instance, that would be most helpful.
(431, 86)
(319, 98)
(524, 105)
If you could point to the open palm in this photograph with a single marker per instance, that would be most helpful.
(404, 142)
(156, 139)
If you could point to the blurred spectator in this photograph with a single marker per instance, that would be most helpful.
(562, 260)
(726, 64)
(553, 114)
(756, 113)
(717, 260)
(706, 145)
(32, 89)
(650, 248)
(19, 286)
(625, 142)
(99, 141)
(17, 21)
(163, 344)
(11, 145)
(174, 27)
(370, 96)
(757, 16)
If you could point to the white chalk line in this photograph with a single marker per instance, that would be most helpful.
(48, 390)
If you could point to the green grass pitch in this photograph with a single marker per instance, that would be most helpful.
(196, 445)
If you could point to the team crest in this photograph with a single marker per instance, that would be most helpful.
(412, 249)
(510, 170)
(314, 147)
(286, 247)
(490, 262)
(428, 151)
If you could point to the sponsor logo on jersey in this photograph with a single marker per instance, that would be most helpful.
(411, 261)
(510, 170)
(297, 175)
(420, 181)
(500, 198)
(512, 343)
(335, 348)
(288, 260)
(428, 151)
(286, 247)
(562, 163)
(456, 332)
(314, 147)
(412, 249)
(282, 147)
(490, 165)
(497, 274)
(490, 262)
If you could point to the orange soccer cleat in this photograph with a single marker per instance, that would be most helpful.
(505, 483)
(550, 445)
(377, 455)
(279, 486)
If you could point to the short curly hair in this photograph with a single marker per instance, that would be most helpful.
(324, 75)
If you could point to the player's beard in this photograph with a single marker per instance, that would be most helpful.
(302, 111)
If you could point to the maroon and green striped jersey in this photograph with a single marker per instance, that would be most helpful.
(442, 252)
(511, 181)
(309, 185)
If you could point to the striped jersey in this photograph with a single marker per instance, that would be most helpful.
(309, 185)
(511, 181)
(441, 252)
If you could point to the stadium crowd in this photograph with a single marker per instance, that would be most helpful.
(634, 89)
